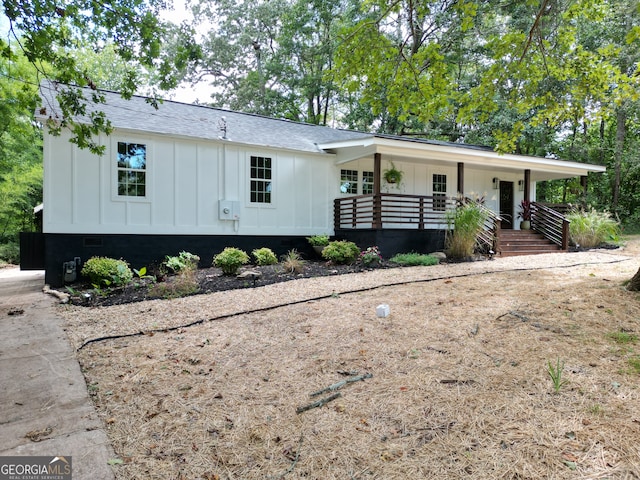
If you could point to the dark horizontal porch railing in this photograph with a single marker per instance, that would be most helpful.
(388, 210)
(551, 224)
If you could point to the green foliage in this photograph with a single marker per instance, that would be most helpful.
(371, 256)
(591, 228)
(230, 260)
(264, 256)
(107, 271)
(464, 223)
(48, 32)
(292, 262)
(555, 373)
(634, 363)
(318, 240)
(623, 338)
(10, 253)
(181, 262)
(414, 259)
(341, 252)
(271, 58)
(20, 147)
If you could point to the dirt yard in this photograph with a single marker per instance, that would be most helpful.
(209, 387)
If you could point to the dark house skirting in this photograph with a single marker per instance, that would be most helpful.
(147, 250)
(393, 241)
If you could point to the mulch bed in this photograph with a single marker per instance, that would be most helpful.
(210, 280)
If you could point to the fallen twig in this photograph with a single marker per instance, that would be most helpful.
(319, 403)
(454, 381)
(341, 384)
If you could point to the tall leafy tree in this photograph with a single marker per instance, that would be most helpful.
(272, 58)
(20, 151)
(48, 31)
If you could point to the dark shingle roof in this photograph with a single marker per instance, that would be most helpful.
(174, 118)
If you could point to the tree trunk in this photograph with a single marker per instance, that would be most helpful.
(621, 132)
(634, 283)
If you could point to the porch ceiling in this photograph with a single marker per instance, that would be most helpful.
(437, 153)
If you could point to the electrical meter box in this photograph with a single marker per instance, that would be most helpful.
(228, 210)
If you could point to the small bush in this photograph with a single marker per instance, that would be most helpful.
(341, 252)
(264, 256)
(414, 259)
(318, 240)
(183, 261)
(292, 262)
(185, 283)
(10, 253)
(371, 256)
(230, 260)
(589, 229)
(107, 271)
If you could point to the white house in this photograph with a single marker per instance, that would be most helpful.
(194, 178)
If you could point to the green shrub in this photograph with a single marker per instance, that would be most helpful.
(589, 229)
(107, 271)
(264, 256)
(292, 262)
(414, 259)
(10, 253)
(341, 252)
(230, 260)
(318, 240)
(183, 261)
(464, 223)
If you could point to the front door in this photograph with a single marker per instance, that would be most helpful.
(506, 204)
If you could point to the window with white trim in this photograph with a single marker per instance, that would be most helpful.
(349, 181)
(439, 185)
(367, 183)
(132, 169)
(261, 179)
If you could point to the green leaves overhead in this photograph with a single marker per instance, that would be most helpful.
(48, 32)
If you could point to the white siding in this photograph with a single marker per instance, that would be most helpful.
(185, 180)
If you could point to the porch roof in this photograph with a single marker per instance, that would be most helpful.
(434, 152)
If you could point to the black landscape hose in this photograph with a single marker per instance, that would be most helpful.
(322, 297)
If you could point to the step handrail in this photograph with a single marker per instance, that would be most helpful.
(550, 223)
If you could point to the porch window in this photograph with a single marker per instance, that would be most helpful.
(349, 181)
(261, 175)
(367, 183)
(132, 169)
(439, 192)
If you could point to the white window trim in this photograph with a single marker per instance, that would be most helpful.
(273, 158)
(113, 163)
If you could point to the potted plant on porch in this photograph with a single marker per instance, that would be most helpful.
(392, 175)
(525, 215)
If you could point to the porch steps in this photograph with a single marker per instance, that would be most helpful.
(524, 242)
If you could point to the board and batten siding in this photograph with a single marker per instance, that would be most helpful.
(186, 179)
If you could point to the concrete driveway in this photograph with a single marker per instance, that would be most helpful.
(45, 409)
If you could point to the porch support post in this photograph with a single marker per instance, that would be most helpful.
(527, 184)
(461, 178)
(377, 172)
(377, 199)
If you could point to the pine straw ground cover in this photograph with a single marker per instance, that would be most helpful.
(459, 384)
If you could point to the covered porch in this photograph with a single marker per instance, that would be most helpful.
(412, 217)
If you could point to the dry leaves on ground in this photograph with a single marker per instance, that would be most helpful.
(459, 385)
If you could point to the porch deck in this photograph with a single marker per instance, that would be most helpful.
(421, 218)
